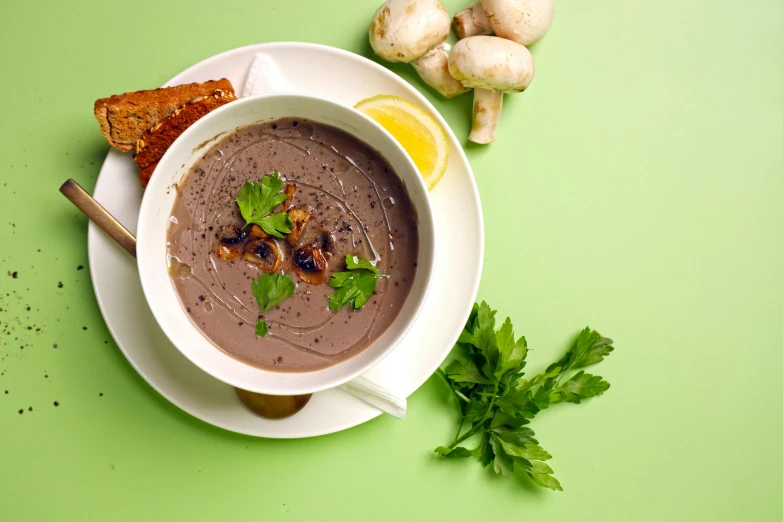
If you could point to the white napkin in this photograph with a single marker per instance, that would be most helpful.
(263, 77)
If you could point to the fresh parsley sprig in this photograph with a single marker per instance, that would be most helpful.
(270, 290)
(354, 286)
(257, 201)
(497, 403)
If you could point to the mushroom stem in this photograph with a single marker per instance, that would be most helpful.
(433, 68)
(471, 22)
(487, 105)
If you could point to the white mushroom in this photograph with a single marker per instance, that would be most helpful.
(471, 22)
(523, 21)
(491, 66)
(415, 31)
(433, 68)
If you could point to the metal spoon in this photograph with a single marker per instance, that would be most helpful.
(267, 406)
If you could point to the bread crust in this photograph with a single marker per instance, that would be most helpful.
(124, 118)
(156, 140)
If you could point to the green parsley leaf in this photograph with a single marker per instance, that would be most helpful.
(533, 452)
(354, 286)
(261, 328)
(509, 448)
(496, 401)
(454, 453)
(503, 464)
(463, 369)
(521, 436)
(477, 408)
(484, 332)
(579, 387)
(343, 296)
(359, 263)
(466, 337)
(340, 279)
(512, 353)
(518, 403)
(483, 452)
(503, 422)
(541, 474)
(257, 201)
(590, 348)
(272, 289)
(275, 225)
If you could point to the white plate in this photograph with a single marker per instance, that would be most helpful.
(345, 78)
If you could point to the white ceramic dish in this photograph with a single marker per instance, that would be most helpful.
(346, 78)
(153, 224)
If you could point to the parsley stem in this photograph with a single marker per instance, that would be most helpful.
(459, 396)
(459, 429)
(456, 392)
(480, 425)
(470, 433)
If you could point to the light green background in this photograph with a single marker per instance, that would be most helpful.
(635, 187)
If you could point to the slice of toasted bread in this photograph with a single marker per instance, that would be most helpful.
(156, 141)
(146, 173)
(125, 117)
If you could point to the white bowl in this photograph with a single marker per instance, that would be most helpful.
(154, 220)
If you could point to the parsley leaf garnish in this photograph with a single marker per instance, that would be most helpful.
(354, 286)
(261, 328)
(272, 289)
(497, 402)
(257, 201)
(359, 263)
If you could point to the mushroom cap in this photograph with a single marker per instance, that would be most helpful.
(523, 21)
(406, 30)
(489, 62)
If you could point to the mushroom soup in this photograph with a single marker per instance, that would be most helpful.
(343, 203)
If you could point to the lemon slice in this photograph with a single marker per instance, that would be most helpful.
(420, 135)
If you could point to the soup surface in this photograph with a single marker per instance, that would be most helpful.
(356, 205)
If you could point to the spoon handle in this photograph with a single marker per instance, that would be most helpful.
(264, 405)
(362, 388)
(99, 215)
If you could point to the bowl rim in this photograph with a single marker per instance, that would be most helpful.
(423, 277)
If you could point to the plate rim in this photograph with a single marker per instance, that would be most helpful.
(93, 231)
